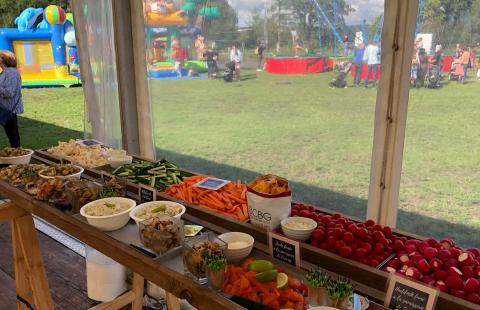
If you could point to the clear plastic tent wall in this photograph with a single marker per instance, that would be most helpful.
(102, 112)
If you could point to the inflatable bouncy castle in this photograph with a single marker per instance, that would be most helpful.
(170, 30)
(45, 47)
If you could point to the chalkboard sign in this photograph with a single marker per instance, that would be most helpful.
(146, 193)
(284, 249)
(404, 294)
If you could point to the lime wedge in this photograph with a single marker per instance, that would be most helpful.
(267, 276)
(282, 280)
(260, 265)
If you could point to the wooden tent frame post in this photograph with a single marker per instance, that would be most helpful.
(129, 43)
(391, 110)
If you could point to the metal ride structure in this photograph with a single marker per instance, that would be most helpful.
(323, 17)
(421, 15)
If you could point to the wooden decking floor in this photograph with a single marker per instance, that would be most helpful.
(65, 270)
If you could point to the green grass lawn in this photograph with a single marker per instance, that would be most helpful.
(319, 138)
(51, 114)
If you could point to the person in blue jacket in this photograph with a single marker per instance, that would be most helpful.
(358, 64)
(10, 95)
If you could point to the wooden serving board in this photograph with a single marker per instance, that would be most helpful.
(372, 282)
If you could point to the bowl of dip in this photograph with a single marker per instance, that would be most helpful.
(108, 214)
(298, 228)
(151, 209)
(239, 245)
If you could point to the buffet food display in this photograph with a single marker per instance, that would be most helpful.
(85, 155)
(230, 200)
(226, 262)
(61, 171)
(20, 175)
(160, 174)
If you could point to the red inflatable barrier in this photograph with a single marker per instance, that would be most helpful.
(296, 65)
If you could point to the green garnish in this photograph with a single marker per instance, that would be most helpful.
(215, 261)
(29, 174)
(340, 289)
(318, 279)
(161, 208)
(110, 205)
(108, 193)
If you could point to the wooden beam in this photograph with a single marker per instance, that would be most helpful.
(117, 303)
(25, 236)
(124, 50)
(398, 36)
(9, 211)
(144, 114)
(138, 285)
(22, 285)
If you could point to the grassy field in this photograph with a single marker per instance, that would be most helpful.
(319, 138)
(51, 114)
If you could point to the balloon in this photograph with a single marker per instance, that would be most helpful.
(54, 15)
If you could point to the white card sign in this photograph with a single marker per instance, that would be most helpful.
(212, 183)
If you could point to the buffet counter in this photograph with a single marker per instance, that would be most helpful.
(124, 246)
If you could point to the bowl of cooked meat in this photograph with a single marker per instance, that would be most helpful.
(15, 156)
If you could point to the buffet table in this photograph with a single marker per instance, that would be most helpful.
(28, 258)
(368, 281)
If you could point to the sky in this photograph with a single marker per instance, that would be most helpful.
(364, 9)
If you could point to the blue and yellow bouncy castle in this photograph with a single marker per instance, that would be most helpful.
(45, 47)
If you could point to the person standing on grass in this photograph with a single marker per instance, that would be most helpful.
(438, 59)
(358, 64)
(236, 58)
(465, 62)
(10, 96)
(372, 57)
(346, 45)
(259, 51)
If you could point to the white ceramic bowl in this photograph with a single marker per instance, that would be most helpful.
(109, 222)
(119, 160)
(298, 234)
(17, 160)
(237, 254)
(322, 308)
(73, 175)
(147, 204)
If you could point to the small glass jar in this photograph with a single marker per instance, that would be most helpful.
(216, 278)
(161, 233)
(81, 192)
(194, 250)
(113, 187)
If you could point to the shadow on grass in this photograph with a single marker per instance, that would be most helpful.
(339, 202)
(36, 134)
(247, 77)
